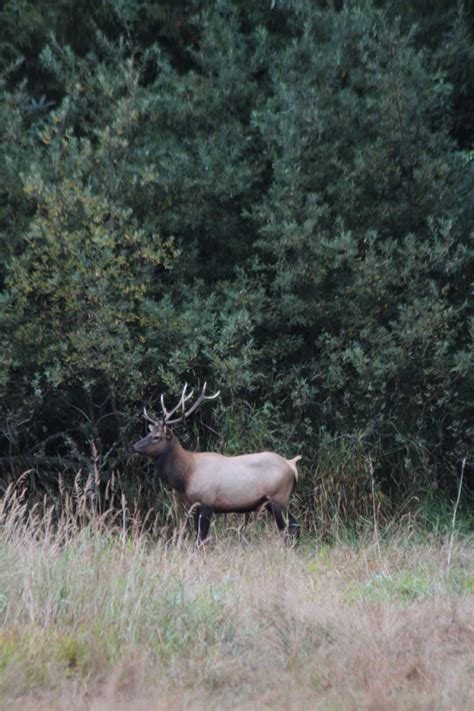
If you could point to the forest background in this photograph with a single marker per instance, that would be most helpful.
(275, 197)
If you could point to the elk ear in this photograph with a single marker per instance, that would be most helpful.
(168, 433)
(151, 428)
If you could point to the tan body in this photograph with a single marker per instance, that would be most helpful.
(241, 483)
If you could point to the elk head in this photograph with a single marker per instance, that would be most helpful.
(161, 436)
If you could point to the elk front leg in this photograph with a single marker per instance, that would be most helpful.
(202, 520)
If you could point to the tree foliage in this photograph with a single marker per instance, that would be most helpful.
(276, 197)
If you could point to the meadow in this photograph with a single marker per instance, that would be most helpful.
(100, 611)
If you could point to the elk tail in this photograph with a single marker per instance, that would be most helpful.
(292, 463)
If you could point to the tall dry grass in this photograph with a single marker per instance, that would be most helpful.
(97, 613)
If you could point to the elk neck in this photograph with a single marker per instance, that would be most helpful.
(175, 466)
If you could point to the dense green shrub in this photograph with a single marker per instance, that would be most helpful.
(366, 238)
(278, 199)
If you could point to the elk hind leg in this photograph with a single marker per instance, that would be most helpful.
(293, 529)
(290, 526)
(277, 514)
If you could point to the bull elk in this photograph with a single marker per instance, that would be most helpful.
(211, 483)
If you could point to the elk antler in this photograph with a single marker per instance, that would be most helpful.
(183, 399)
(150, 418)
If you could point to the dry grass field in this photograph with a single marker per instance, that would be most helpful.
(99, 618)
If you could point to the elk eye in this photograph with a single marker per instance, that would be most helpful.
(156, 437)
